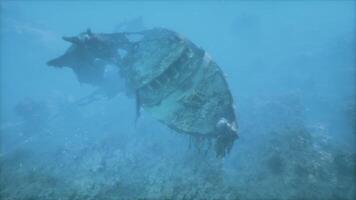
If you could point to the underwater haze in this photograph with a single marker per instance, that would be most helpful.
(290, 68)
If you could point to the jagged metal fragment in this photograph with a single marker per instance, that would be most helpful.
(173, 79)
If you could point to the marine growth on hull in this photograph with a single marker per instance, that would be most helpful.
(170, 77)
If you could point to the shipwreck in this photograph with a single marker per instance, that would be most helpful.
(171, 78)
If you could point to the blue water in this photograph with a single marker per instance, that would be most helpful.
(291, 69)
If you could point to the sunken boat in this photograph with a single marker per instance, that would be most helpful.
(171, 78)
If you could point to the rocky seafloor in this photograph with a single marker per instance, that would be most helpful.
(94, 156)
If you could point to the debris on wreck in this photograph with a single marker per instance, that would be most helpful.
(171, 78)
